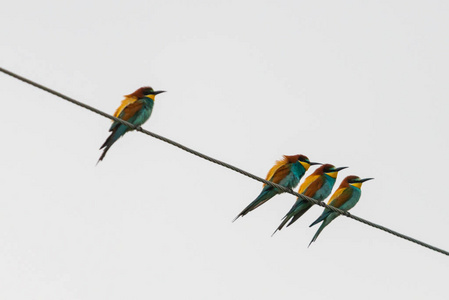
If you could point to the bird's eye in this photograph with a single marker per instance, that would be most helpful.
(148, 91)
(354, 180)
(303, 158)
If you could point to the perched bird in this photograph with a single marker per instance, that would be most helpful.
(135, 109)
(317, 186)
(286, 172)
(345, 198)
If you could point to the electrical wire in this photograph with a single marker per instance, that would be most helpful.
(226, 165)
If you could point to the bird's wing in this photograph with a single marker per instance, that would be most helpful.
(340, 197)
(311, 185)
(280, 174)
(130, 110)
(125, 102)
(126, 113)
(276, 166)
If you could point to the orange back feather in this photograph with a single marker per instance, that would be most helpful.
(128, 100)
(130, 110)
(277, 165)
(342, 194)
(311, 185)
(281, 168)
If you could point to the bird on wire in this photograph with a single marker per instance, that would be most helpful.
(287, 173)
(345, 197)
(317, 186)
(136, 109)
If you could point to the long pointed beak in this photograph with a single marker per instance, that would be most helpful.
(365, 179)
(339, 169)
(314, 163)
(158, 92)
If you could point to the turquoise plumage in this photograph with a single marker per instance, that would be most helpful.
(287, 172)
(317, 186)
(345, 198)
(137, 111)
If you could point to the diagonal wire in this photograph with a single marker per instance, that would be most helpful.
(226, 165)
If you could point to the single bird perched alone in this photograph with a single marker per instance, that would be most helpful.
(286, 172)
(135, 109)
(317, 186)
(345, 197)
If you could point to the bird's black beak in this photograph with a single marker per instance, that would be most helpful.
(365, 179)
(339, 169)
(158, 92)
(314, 163)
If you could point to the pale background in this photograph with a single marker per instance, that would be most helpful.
(362, 84)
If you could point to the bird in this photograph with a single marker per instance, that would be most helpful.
(286, 172)
(136, 109)
(345, 197)
(317, 186)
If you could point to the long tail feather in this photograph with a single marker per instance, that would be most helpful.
(264, 196)
(103, 154)
(330, 217)
(113, 137)
(298, 215)
(294, 214)
(318, 233)
(285, 220)
(322, 217)
(107, 141)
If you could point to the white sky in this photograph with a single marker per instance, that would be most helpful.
(354, 83)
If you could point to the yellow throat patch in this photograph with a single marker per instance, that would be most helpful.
(357, 184)
(305, 165)
(333, 174)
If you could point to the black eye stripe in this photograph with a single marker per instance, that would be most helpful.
(148, 91)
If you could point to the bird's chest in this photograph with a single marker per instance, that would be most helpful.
(294, 176)
(144, 114)
(352, 201)
(324, 191)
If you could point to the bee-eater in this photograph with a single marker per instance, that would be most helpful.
(135, 109)
(345, 197)
(317, 186)
(286, 172)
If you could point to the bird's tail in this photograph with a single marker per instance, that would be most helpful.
(264, 196)
(294, 214)
(317, 233)
(302, 209)
(326, 222)
(103, 154)
(285, 219)
(323, 216)
(113, 137)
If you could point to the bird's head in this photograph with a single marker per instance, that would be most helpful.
(145, 91)
(329, 170)
(355, 181)
(305, 162)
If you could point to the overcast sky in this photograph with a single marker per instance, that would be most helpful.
(362, 84)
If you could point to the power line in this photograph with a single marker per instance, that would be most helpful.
(226, 165)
